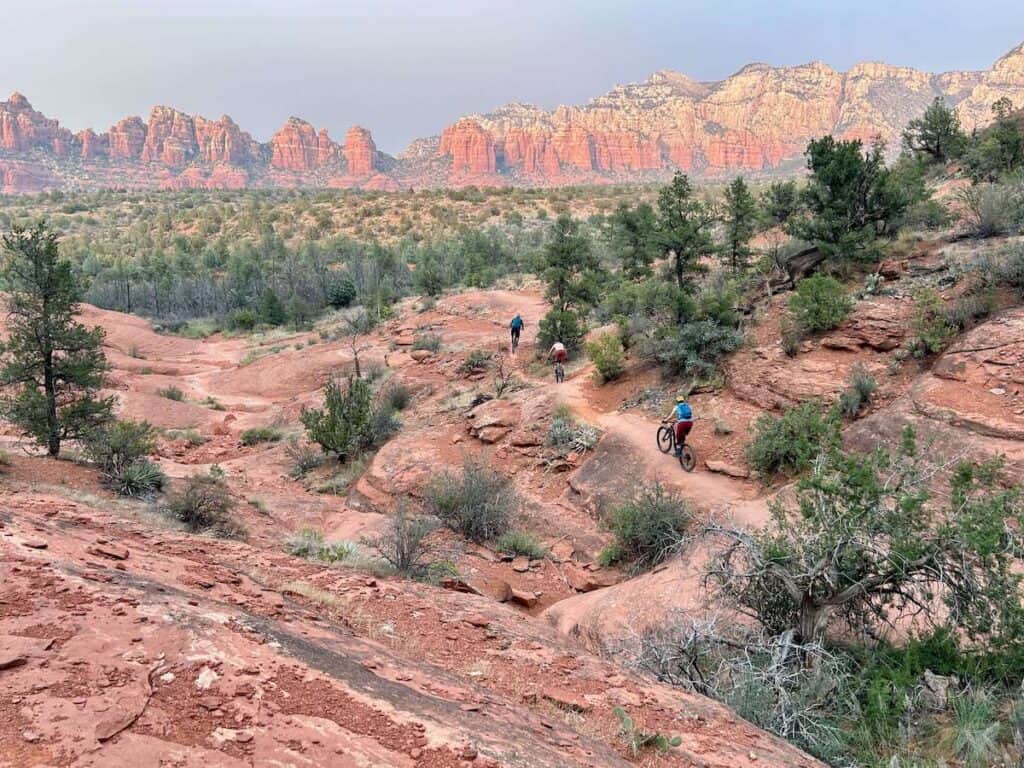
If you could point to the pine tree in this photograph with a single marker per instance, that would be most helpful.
(571, 270)
(52, 366)
(631, 236)
(740, 223)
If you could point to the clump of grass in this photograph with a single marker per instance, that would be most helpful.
(311, 545)
(858, 395)
(520, 543)
(477, 361)
(396, 397)
(172, 393)
(570, 436)
(264, 434)
(190, 436)
(5, 458)
(428, 341)
(260, 506)
(340, 483)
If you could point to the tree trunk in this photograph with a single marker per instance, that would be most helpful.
(811, 620)
(50, 392)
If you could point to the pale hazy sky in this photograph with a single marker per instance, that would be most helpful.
(405, 69)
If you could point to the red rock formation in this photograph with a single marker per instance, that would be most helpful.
(223, 142)
(298, 147)
(470, 147)
(360, 152)
(126, 139)
(170, 138)
(93, 146)
(23, 129)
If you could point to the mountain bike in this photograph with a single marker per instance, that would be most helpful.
(559, 372)
(515, 342)
(667, 442)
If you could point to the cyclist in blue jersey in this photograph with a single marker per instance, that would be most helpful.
(682, 414)
(516, 327)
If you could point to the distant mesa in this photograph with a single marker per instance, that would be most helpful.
(758, 120)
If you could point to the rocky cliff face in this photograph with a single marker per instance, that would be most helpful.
(758, 120)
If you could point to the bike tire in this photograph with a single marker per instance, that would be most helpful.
(665, 439)
(687, 458)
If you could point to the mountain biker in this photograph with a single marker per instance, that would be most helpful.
(682, 414)
(558, 352)
(517, 327)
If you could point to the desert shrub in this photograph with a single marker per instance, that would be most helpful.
(788, 443)
(694, 349)
(520, 543)
(858, 394)
(172, 393)
(384, 424)
(927, 214)
(119, 449)
(566, 434)
(303, 457)
(790, 335)
(264, 434)
(396, 397)
(428, 341)
(1008, 267)
(819, 304)
(141, 478)
(607, 355)
(612, 554)
(976, 727)
(929, 328)
(650, 527)
(242, 320)
(477, 502)
(477, 361)
(5, 458)
(404, 545)
(971, 307)
(639, 740)
(339, 483)
(992, 209)
(342, 426)
(203, 504)
(311, 545)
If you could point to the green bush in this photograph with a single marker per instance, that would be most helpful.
(242, 320)
(343, 426)
(520, 543)
(993, 209)
(172, 393)
(203, 504)
(650, 527)
(971, 307)
(607, 355)
(819, 304)
(396, 397)
(119, 449)
(565, 327)
(855, 397)
(477, 502)
(694, 349)
(264, 434)
(929, 328)
(788, 443)
(341, 291)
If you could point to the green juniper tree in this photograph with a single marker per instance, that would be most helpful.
(631, 236)
(935, 135)
(571, 269)
(684, 233)
(740, 224)
(52, 366)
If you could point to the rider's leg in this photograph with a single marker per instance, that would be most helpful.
(682, 430)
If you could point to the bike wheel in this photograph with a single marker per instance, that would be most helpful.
(665, 439)
(687, 459)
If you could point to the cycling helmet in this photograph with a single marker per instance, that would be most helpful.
(680, 398)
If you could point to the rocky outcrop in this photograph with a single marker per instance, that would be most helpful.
(360, 152)
(298, 147)
(170, 138)
(223, 142)
(126, 139)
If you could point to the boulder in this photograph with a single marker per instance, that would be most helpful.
(725, 468)
(493, 420)
(587, 581)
